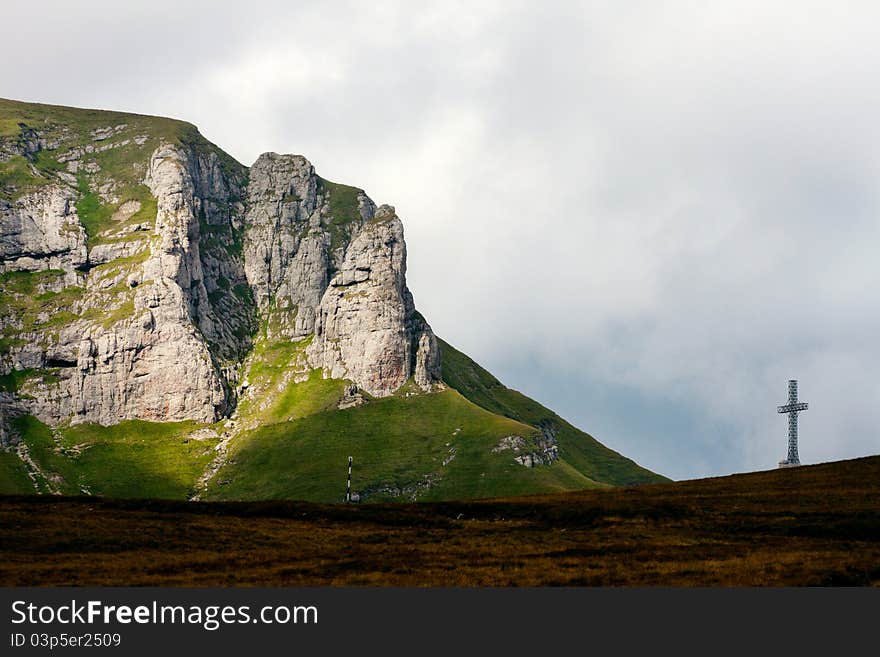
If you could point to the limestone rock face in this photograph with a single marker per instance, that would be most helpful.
(322, 259)
(286, 249)
(144, 339)
(42, 231)
(195, 261)
(148, 307)
(367, 329)
(148, 367)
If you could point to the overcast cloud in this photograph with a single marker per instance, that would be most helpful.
(648, 216)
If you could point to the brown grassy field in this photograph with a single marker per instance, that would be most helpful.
(815, 525)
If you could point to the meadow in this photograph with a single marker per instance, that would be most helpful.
(811, 526)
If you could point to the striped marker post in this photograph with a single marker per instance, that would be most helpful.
(348, 489)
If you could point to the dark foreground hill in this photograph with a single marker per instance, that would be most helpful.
(816, 525)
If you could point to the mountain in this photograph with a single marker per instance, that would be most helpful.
(175, 324)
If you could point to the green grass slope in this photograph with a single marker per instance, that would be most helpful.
(401, 448)
(13, 475)
(584, 452)
(130, 459)
(402, 445)
(410, 446)
(73, 127)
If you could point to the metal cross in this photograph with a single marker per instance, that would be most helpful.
(792, 408)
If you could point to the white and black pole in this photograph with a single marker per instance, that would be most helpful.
(348, 490)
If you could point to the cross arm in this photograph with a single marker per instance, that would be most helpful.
(788, 408)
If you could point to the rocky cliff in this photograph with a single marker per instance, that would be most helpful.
(138, 263)
(176, 325)
(323, 260)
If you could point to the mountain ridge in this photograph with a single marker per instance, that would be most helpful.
(146, 276)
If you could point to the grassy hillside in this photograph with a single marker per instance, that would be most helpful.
(13, 475)
(294, 444)
(816, 525)
(74, 128)
(399, 445)
(130, 459)
(580, 449)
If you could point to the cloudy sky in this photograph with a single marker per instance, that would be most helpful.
(648, 216)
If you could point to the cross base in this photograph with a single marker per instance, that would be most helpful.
(789, 464)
